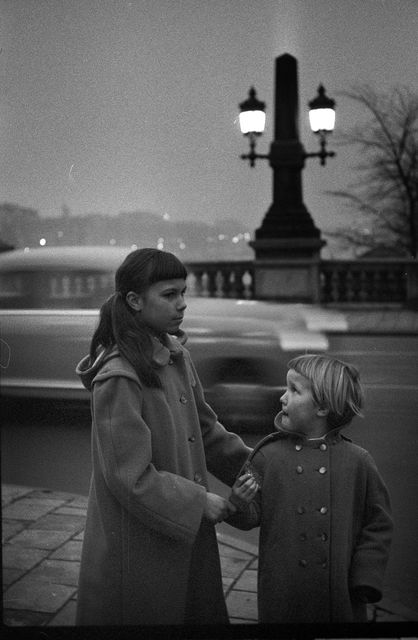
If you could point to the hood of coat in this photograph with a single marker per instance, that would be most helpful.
(164, 349)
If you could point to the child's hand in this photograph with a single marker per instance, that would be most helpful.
(243, 491)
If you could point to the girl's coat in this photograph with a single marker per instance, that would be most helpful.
(148, 557)
(325, 528)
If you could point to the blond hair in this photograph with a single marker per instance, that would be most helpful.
(335, 386)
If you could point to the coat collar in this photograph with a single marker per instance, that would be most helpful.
(167, 348)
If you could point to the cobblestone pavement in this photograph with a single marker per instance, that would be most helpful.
(42, 538)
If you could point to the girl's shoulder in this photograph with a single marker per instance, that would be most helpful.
(113, 366)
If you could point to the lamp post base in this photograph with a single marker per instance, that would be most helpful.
(287, 270)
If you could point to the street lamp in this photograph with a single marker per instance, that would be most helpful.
(322, 121)
(252, 120)
(287, 244)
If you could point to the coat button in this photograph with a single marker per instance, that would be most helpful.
(303, 563)
(301, 510)
(323, 447)
(298, 447)
(192, 439)
(299, 469)
(303, 537)
(183, 399)
(322, 470)
(324, 537)
(170, 361)
(323, 510)
(197, 477)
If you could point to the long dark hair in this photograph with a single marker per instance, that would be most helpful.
(119, 325)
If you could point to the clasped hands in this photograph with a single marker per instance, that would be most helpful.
(243, 491)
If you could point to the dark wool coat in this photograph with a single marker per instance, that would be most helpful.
(148, 556)
(325, 528)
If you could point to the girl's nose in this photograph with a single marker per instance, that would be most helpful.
(283, 397)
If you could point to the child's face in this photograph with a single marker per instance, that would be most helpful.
(300, 413)
(163, 306)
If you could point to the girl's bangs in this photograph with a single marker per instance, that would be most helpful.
(166, 266)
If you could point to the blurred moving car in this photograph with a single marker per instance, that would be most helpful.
(49, 305)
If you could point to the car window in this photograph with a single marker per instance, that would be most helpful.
(58, 289)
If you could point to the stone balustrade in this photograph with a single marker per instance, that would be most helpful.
(357, 282)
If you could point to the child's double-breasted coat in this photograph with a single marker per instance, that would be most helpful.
(149, 556)
(325, 528)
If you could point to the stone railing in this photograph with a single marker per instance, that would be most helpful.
(367, 282)
(221, 279)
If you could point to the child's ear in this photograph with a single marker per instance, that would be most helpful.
(134, 301)
(322, 412)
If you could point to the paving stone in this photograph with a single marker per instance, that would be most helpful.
(232, 567)
(41, 538)
(57, 571)
(25, 619)
(38, 596)
(71, 511)
(65, 617)
(79, 536)
(79, 501)
(231, 552)
(49, 494)
(69, 551)
(11, 575)
(60, 523)
(29, 508)
(10, 528)
(242, 605)
(247, 581)
(17, 557)
(10, 492)
(227, 582)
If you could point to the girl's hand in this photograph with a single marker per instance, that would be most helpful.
(243, 491)
(216, 508)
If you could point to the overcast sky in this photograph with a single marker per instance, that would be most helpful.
(118, 105)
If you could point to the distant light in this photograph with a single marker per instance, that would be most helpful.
(247, 236)
(160, 244)
(235, 239)
(112, 241)
(42, 242)
(221, 236)
(134, 247)
(166, 216)
(26, 249)
(182, 245)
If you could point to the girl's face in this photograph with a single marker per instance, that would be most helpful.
(300, 413)
(162, 306)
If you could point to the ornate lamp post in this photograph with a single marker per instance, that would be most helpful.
(287, 244)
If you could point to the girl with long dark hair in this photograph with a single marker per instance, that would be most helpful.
(150, 552)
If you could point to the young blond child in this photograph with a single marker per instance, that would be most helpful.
(321, 504)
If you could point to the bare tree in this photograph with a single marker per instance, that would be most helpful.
(385, 196)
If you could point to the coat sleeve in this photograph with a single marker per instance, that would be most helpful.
(163, 501)
(250, 516)
(372, 548)
(225, 451)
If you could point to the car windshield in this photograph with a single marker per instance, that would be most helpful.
(58, 289)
